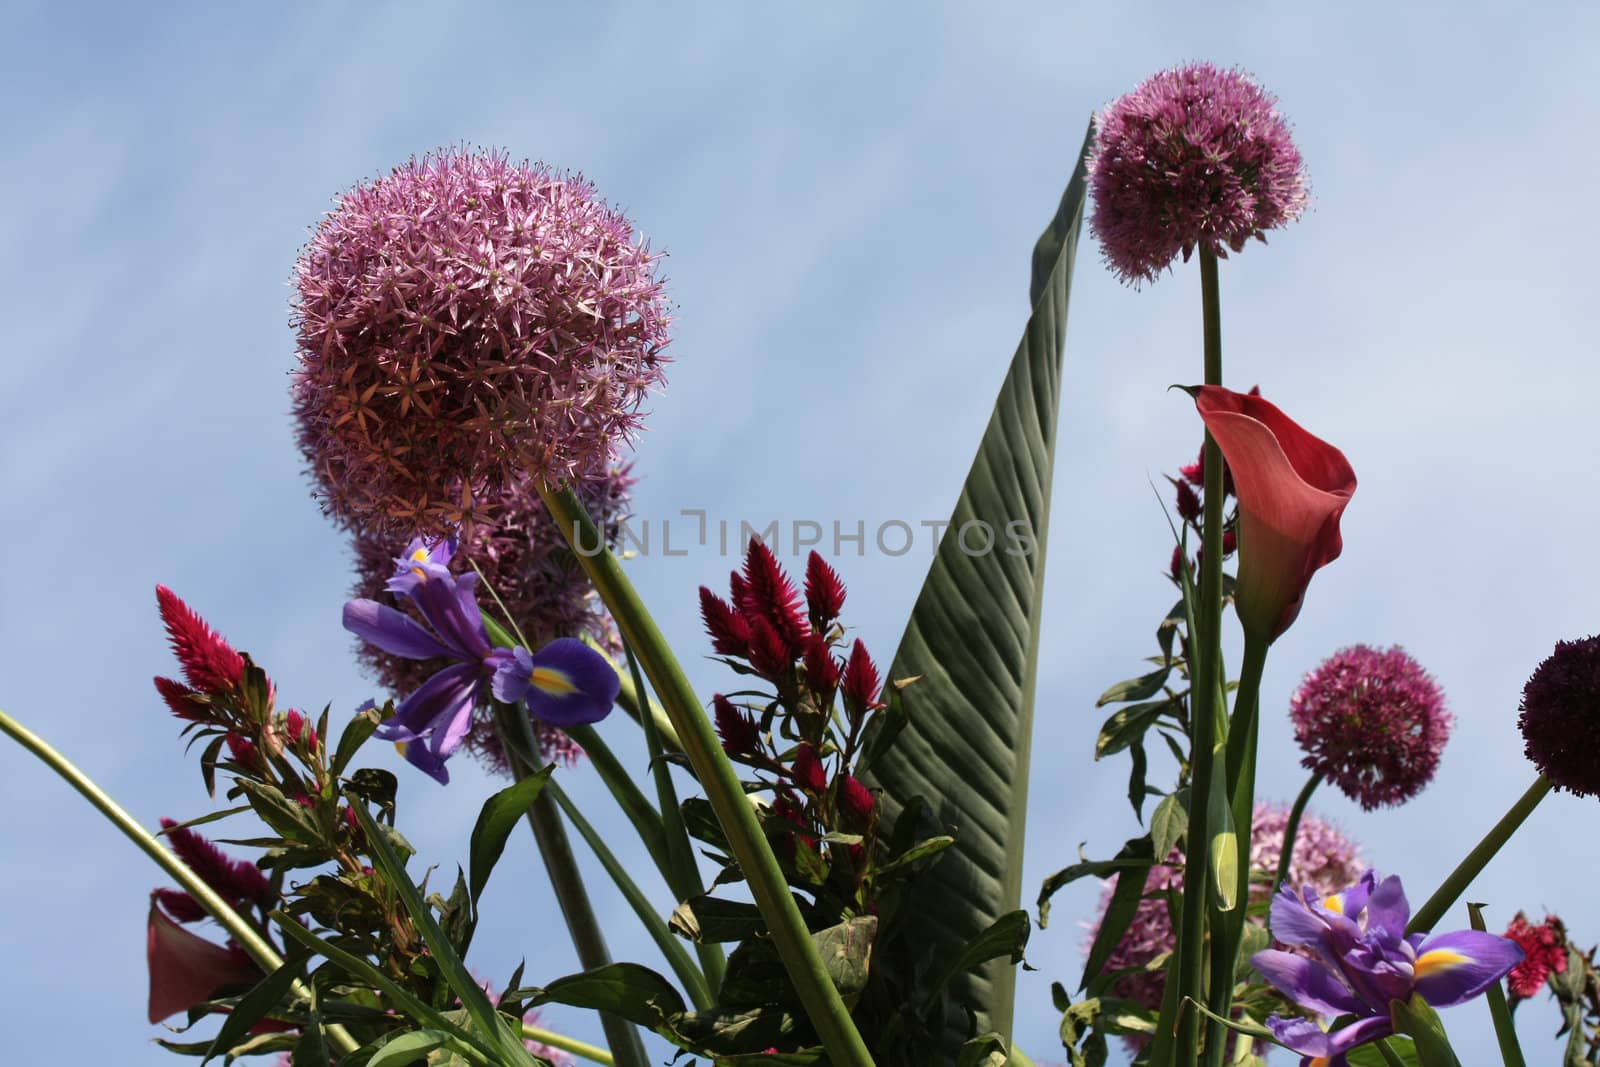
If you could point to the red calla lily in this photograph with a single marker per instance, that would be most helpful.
(186, 970)
(1292, 488)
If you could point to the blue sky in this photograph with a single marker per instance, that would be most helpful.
(848, 199)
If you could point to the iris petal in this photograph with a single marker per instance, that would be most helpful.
(432, 702)
(580, 687)
(1455, 967)
(1308, 983)
(396, 633)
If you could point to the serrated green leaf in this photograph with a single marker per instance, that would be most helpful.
(496, 819)
(973, 637)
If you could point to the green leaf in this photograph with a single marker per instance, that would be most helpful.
(1141, 688)
(846, 951)
(1169, 822)
(408, 1048)
(1127, 725)
(973, 637)
(1370, 1055)
(311, 1050)
(1120, 909)
(627, 990)
(1005, 939)
(714, 920)
(1417, 1019)
(356, 733)
(921, 850)
(496, 820)
(1136, 855)
(267, 994)
(1505, 1031)
(985, 1050)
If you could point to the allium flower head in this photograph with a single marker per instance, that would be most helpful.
(460, 322)
(1323, 858)
(1560, 717)
(1373, 723)
(1194, 156)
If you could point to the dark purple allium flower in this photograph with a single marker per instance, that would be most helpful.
(1193, 156)
(1323, 859)
(527, 561)
(464, 323)
(1373, 723)
(1363, 961)
(1560, 717)
(566, 680)
(1544, 949)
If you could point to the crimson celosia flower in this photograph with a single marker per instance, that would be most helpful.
(861, 683)
(740, 733)
(807, 769)
(236, 881)
(1323, 859)
(180, 905)
(1293, 487)
(1194, 156)
(1544, 950)
(1560, 716)
(463, 323)
(185, 701)
(1188, 503)
(524, 557)
(822, 669)
(824, 592)
(856, 800)
(1373, 723)
(730, 633)
(209, 662)
(768, 595)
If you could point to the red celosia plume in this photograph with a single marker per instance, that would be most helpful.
(209, 662)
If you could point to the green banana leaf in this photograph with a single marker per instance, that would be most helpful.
(973, 642)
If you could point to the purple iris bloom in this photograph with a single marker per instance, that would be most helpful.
(565, 683)
(1364, 961)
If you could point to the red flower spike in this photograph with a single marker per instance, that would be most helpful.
(1188, 503)
(822, 670)
(1175, 568)
(294, 724)
(861, 682)
(186, 970)
(769, 653)
(807, 770)
(180, 905)
(1230, 543)
(769, 594)
(730, 633)
(1544, 951)
(856, 800)
(736, 588)
(243, 751)
(1195, 473)
(824, 592)
(1293, 487)
(234, 880)
(209, 662)
(181, 699)
(740, 734)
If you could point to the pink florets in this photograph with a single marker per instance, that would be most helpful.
(1544, 949)
(1373, 723)
(1195, 155)
(461, 323)
(1323, 857)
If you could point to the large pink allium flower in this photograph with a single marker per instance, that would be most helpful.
(1560, 716)
(463, 323)
(1195, 155)
(1373, 723)
(524, 558)
(1323, 857)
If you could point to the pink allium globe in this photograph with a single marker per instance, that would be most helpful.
(1373, 723)
(1560, 716)
(1323, 857)
(524, 558)
(1194, 156)
(462, 324)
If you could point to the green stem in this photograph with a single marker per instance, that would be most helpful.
(637, 704)
(793, 941)
(672, 949)
(582, 1049)
(1505, 1031)
(1243, 734)
(1207, 647)
(1292, 829)
(556, 850)
(628, 795)
(681, 871)
(256, 946)
(1426, 917)
(1390, 1056)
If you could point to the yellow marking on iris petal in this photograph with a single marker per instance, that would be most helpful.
(1334, 904)
(549, 680)
(400, 747)
(419, 556)
(1439, 959)
(1320, 1061)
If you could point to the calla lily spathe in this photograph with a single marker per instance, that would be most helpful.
(1292, 488)
(186, 970)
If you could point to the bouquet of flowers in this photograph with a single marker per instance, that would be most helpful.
(840, 833)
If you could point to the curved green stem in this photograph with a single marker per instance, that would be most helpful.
(581, 1049)
(1427, 917)
(793, 941)
(247, 937)
(1292, 829)
(1191, 964)
(1505, 1031)
(567, 881)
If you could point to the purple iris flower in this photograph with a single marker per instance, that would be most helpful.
(1364, 961)
(565, 683)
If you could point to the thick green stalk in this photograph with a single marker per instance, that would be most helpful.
(1208, 645)
(681, 871)
(1427, 917)
(1292, 829)
(1228, 935)
(1505, 1031)
(556, 851)
(793, 941)
(672, 949)
(257, 947)
(628, 795)
(581, 1049)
